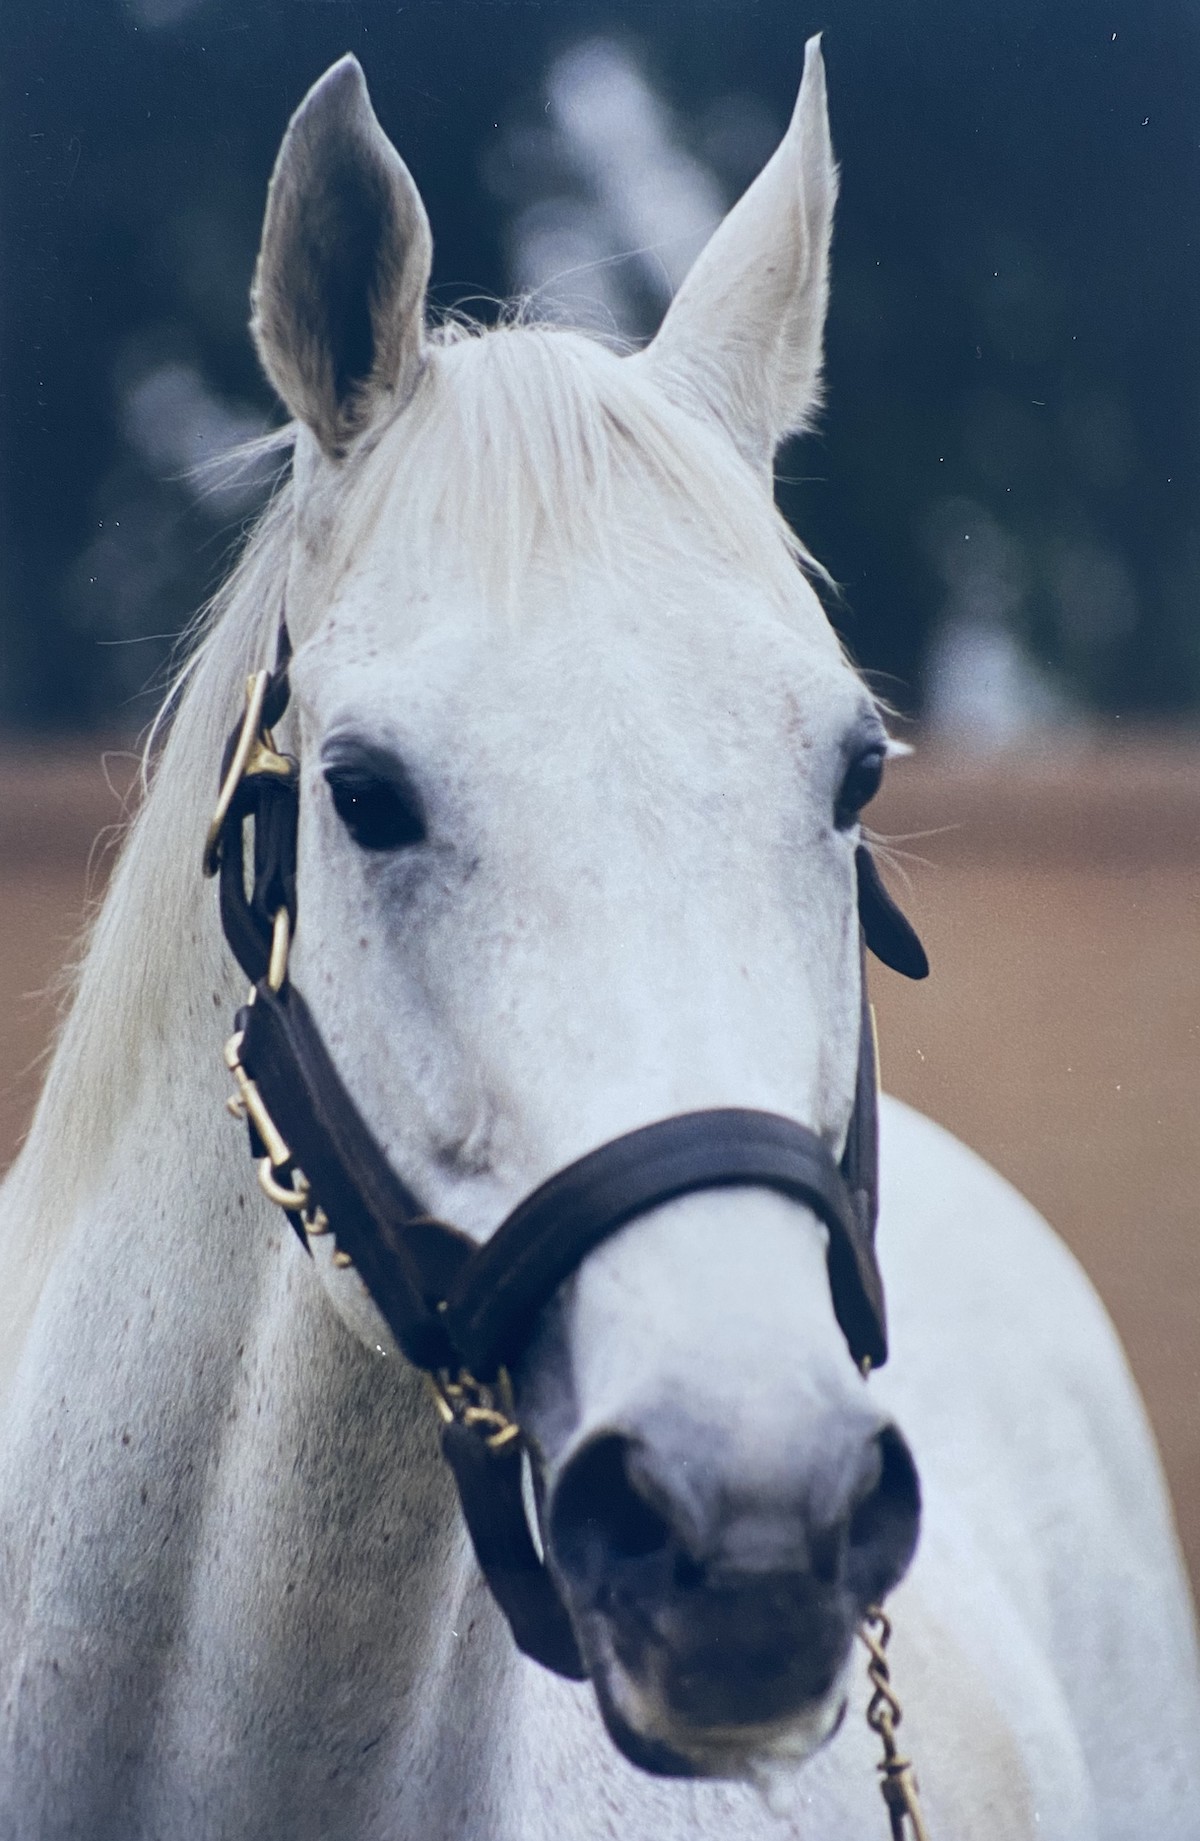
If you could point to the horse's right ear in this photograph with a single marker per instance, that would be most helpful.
(339, 290)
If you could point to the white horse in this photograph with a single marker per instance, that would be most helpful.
(581, 762)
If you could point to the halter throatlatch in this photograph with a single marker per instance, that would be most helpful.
(461, 1312)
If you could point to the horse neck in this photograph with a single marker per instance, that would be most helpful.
(273, 1487)
(177, 1348)
(156, 982)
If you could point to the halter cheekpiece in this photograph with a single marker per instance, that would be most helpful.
(459, 1311)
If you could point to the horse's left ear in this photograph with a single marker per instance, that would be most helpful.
(742, 339)
(339, 290)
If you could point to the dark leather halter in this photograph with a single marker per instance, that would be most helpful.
(459, 1311)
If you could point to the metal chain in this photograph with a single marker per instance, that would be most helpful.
(485, 1407)
(897, 1779)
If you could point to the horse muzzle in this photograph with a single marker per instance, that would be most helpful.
(720, 1640)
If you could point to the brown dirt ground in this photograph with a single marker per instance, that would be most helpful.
(1058, 895)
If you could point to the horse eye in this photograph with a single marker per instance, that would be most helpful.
(861, 783)
(378, 814)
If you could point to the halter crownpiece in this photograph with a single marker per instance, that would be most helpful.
(463, 1312)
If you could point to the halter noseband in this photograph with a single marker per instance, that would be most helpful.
(459, 1311)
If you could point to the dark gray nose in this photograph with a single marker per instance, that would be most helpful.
(740, 1611)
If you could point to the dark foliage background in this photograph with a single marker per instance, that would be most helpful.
(1009, 479)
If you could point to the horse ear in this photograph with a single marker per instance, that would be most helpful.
(339, 290)
(742, 339)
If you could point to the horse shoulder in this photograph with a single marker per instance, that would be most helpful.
(1039, 1468)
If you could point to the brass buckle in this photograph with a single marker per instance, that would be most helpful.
(255, 753)
(483, 1407)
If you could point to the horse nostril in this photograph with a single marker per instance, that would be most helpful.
(599, 1516)
(616, 1542)
(882, 1534)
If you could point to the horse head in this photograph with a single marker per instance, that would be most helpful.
(582, 764)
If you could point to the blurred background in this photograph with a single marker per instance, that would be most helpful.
(1007, 484)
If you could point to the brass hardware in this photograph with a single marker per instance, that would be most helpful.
(864, 1367)
(256, 691)
(897, 1779)
(477, 1404)
(441, 1405)
(281, 939)
(342, 1259)
(293, 1199)
(248, 1103)
(504, 1432)
(255, 753)
(248, 1096)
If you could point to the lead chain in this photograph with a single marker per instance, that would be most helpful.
(897, 1779)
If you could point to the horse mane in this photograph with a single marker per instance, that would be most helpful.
(524, 442)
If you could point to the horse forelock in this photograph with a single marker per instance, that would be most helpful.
(530, 447)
